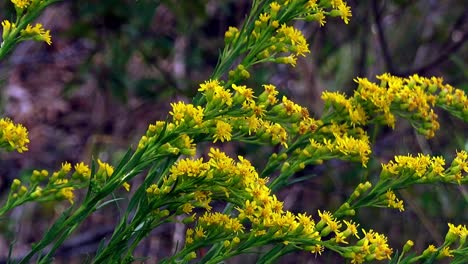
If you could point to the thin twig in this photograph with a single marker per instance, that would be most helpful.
(381, 37)
(443, 55)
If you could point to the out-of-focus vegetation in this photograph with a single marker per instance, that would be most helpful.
(114, 66)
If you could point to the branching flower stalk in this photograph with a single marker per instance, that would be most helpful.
(180, 184)
(21, 29)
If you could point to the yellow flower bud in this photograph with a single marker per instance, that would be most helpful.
(408, 245)
(37, 193)
(22, 191)
(15, 185)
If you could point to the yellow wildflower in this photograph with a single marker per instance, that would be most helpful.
(223, 131)
(186, 113)
(275, 7)
(82, 170)
(7, 28)
(408, 245)
(105, 168)
(345, 12)
(187, 208)
(199, 232)
(66, 167)
(429, 251)
(351, 229)
(66, 193)
(13, 136)
(445, 252)
(249, 209)
(21, 4)
(126, 186)
(37, 33)
(317, 249)
(231, 34)
(393, 201)
(189, 167)
(209, 85)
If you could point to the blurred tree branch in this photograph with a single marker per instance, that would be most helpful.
(452, 45)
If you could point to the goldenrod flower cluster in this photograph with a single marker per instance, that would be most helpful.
(199, 182)
(21, 4)
(373, 246)
(102, 176)
(426, 169)
(271, 39)
(453, 246)
(260, 217)
(233, 113)
(405, 171)
(20, 30)
(43, 186)
(37, 33)
(393, 201)
(8, 27)
(179, 143)
(60, 185)
(13, 136)
(412, 98)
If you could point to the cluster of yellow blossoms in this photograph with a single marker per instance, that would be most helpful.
(60, 185)
(37, 33)
(271, 39)
(11, 35)
(13, 136)
(42, 187)
(235, 113)
(412, 98)
(426, 169)
(455, 235)
(260, 217)
(21, 4)
(405, 171)
(238, 114)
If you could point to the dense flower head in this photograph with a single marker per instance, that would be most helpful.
(190, 168)
(226, 223)
(340, 146)
(13, 136)
(372, 246)
(412, 98)
(221, 177)
(7, 28)
(56, 186)
(393, 201)
(187, 114)
(344, 10)
(21, 4)
(459, 232)
(260, 213)
(293, 40)
(37, 33)
(222, 132)
(278, 41)
(424, 168)
(105, 168)
(414, 95)
(231, 34)
(264, 116)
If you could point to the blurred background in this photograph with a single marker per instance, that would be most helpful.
(115, 65)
